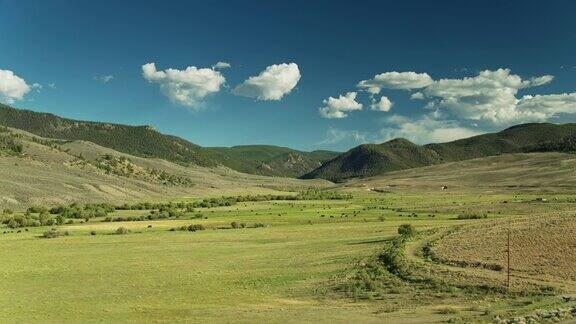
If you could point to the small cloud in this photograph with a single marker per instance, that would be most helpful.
(37, 87)
(221, 66)
(338, 107)
(104, 78)
(52, 85)
(273, 83)
(335, 136)
(395, 80)
(383, 105)
(186, 87)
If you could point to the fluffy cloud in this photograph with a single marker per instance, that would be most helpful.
(13, 87)
(271, 84)
(221, 66)
(383, 105)
(542, 107)
(425, 129)
(395, 80)
(490, 96)
(338, 107)
(104, 78)
(185, 87)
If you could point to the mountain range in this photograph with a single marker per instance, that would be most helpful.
(145, 141)
(365, 160)
(398, 154)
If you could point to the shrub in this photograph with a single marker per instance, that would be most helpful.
(92, 232)
(37, 209)
(122, 230)
(196, 227)
(471, 216)
(53, 233)
(12, 223)
(406, 230)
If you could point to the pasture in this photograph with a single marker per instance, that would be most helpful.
(305, 261)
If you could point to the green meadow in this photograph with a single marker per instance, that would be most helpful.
(298, 266)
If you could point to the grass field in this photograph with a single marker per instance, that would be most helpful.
(299, 268)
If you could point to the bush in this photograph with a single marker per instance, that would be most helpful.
(196, 227)
(406, 230)
(122, 230)
(471, 216)
(92, 232)
(53, 233)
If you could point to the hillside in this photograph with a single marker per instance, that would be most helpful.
(515, 139)
(371, 159)
(399, 154)
(36, 170)
(141, 141)
(518, 172)
(144, 141)
(268, 160)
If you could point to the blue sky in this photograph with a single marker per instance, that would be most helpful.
(66, 51)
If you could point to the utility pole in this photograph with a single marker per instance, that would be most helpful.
(508, 266)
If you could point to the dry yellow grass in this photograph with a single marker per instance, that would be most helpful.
(541, 245)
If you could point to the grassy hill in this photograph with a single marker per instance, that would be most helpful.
(374, 159)
(517, 172)
(141, 141)
(371, 159)
(144, 141)
(515, 139)
(36, 170)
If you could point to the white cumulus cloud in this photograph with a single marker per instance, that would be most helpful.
(13, 87)
(185, 87)
(271, 84)
(338, 107)
(490, 96)
(543, 107)
(395, 80)
(384, 104)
